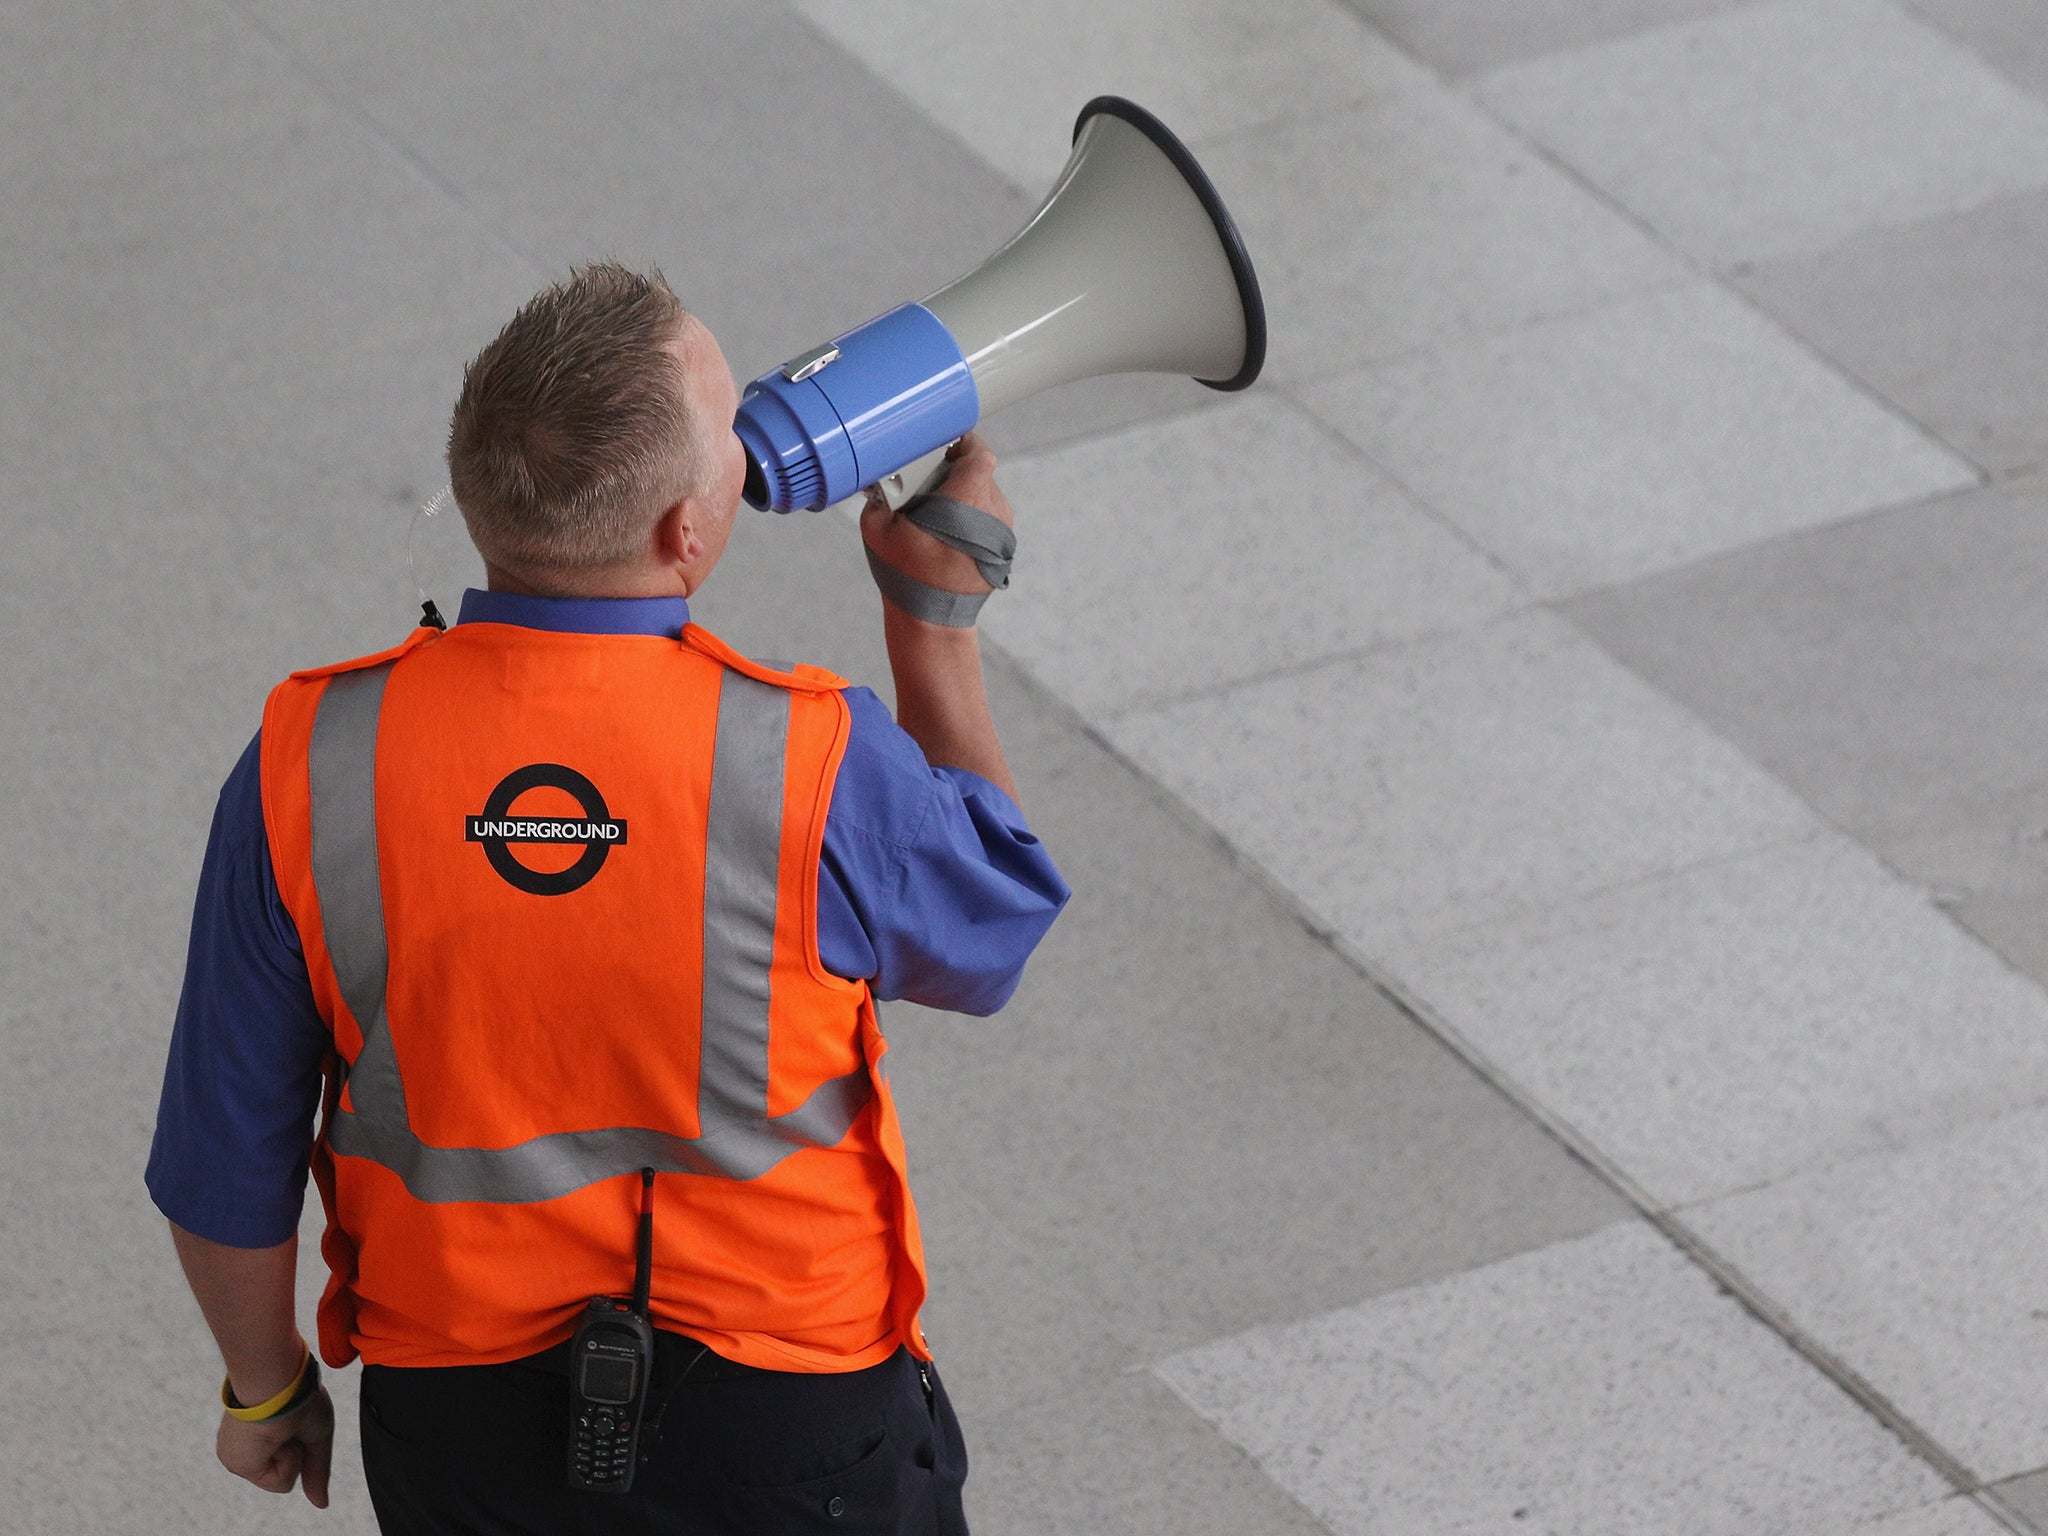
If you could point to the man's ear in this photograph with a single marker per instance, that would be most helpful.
(676, 539)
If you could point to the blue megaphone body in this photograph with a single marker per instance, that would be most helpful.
(842, 416)
(1131, 264)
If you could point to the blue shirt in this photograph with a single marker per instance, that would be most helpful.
(932, 889)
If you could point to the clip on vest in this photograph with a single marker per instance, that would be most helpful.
(610, 1360)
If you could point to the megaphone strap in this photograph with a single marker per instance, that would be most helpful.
(921, 600)
(984, 538)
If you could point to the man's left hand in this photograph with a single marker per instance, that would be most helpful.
(278, 1453)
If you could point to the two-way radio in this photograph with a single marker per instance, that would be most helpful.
(610, 1360)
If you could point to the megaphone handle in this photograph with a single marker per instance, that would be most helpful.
(914, 479)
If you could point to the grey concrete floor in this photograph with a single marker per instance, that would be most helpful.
(1570, 753)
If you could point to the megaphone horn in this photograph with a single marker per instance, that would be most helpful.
(1130, 265)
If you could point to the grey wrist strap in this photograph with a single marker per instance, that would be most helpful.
(981, 536)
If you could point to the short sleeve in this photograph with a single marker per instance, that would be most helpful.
(934, 889)
(242, 1084)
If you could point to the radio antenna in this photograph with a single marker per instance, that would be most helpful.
(643, 1266)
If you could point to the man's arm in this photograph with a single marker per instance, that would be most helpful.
(241, 1084)
(247, 1298)
(940, 699)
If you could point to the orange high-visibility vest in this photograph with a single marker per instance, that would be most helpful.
(557, 895)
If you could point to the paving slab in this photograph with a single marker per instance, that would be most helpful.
(59, 458)
(652, 143)
(1647, 434)
(1736, 1022)
(101, 86)
(2028, 1495)
(1885, 669)
(1463, 36)
(1452, 782)
(2006, 34)
(382, 49)
(2015, 927)
(1946, 318)
(1781, 127)
(1955, 1516)
(256, 264)
(1597, 1386)
(1893, 670)
(1009, 79)
(1922, 1268)
(1180, 557)
(123, 726)
(1122, 1457)
(1989, 871)
(1413, 219)
(1016, 1332)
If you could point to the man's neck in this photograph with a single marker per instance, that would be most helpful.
(613, 582)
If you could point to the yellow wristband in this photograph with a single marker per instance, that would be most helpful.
(271, 1407)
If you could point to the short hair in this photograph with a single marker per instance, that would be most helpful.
(573, 432)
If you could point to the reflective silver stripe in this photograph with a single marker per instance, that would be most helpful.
(551, 1166)
(343, 768)
(342, 763)
(739, 900)
(737, 1137)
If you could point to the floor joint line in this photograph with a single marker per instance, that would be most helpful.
(1859, 1388)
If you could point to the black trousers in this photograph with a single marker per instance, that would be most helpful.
(483, 1451)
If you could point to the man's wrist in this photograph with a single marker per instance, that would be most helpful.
(280, 1404)
(257, 1376)
(962, 638)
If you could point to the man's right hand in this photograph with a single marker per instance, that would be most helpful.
(276, 1454)
(909, 550)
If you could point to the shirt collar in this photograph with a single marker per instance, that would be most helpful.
(578, 615)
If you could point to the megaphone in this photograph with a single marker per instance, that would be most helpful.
(1130, 265)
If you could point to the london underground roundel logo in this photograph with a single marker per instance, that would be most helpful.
(499, 830)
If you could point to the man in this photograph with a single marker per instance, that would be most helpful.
(569, 891)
